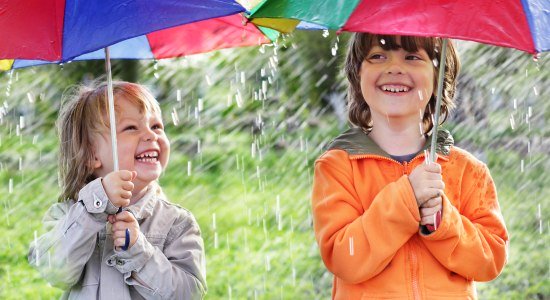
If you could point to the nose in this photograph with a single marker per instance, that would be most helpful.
(150, 135)
(394, 67)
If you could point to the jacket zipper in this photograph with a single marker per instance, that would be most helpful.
(412, 254)
(414, 273)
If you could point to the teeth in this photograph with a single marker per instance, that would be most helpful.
(150, 154)
(395, 89)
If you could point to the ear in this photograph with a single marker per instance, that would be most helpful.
(96, 163)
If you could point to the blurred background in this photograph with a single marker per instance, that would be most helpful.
(246, 126)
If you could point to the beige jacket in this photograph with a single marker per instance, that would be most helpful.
(76, 253)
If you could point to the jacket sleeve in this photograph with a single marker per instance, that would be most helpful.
(472, 241)
(62, 252)
(177, 272)
(357, 244)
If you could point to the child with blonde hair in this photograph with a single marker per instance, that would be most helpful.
(374, 198)
(113, 234)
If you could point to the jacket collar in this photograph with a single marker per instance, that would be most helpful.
(143, 208)
(356, 143)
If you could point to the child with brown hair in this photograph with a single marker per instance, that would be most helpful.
(150, 249)
(374, 198)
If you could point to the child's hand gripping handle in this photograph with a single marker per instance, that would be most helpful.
(127, 237)
(119, 186)
(437, 215)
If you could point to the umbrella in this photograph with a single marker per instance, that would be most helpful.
(58, 30)
(80, 31)
(524, 25)
(197, 37)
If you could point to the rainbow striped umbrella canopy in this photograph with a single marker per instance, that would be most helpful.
(55, 31)
(520, 24)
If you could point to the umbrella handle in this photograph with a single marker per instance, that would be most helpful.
(437, 222)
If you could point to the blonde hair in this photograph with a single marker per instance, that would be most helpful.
(84, 114)
(359, 47)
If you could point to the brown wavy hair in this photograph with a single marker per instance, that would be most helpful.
(359, 46)
(84, 115)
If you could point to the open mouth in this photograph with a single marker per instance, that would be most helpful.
(148, 156)
(395, 88)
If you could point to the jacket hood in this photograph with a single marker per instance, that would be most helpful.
(356, 142)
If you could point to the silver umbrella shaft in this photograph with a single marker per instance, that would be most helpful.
(110, 97)
(440, 84)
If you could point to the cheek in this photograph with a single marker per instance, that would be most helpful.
(165, 147)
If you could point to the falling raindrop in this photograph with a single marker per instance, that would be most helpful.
(10, 186)
(515, 104)
(208, 81)
(30, 97)
(539, 216)
(267, 263)
(535, 90)
(264, 87)
(215, 240)
(325, 33)
(253, 150)
(351, 249)
(246, 240)
(199, 149)
(243, 78)
(36, 249)
(382, 41)
(278, 214)
(178, 95)
(238, 98)
(200, 104)
(175, 118)
(321, 80)
(420, 96)
(214, 221)
(435, 62)
(521, 166)
(189, 168)
(512, 122)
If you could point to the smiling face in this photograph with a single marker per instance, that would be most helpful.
(396, 84)
(142, 144)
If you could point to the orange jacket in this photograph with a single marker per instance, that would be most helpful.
(366, 223)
